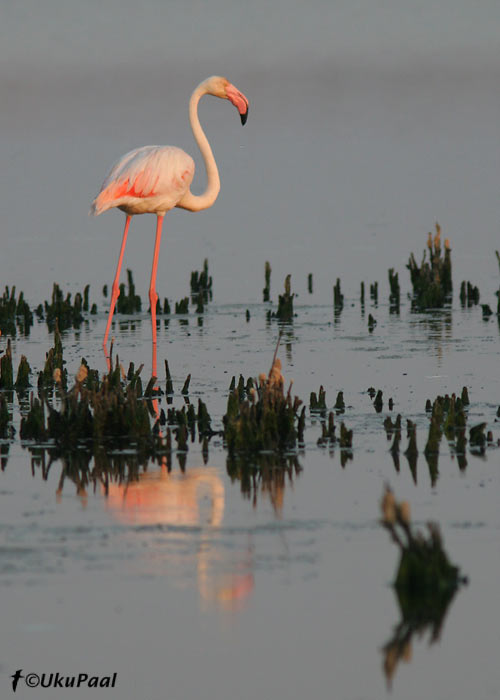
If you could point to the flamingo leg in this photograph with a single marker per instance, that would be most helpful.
(153, 296)
(115, 290)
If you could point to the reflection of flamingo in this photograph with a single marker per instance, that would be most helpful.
(154, 179)
(177, 501)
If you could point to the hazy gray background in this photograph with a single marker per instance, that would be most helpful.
(368, 121)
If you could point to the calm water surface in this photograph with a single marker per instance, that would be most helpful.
(188, 582)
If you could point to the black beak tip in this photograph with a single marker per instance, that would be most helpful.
(244, 117)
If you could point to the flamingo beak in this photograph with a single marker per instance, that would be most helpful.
(239, 100)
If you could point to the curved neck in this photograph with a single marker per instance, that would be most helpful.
(205, 200)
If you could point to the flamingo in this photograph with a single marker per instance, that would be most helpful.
(154, 179)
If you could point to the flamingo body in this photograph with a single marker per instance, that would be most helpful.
(151, 179)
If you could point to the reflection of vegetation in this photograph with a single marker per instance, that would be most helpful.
(4, 454)
(426, 581)
(418, 614)
(86, 468)
(431, 282)
(266, 474)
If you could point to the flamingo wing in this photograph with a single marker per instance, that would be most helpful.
(151, 178)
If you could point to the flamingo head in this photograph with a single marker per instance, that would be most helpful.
(221, 87)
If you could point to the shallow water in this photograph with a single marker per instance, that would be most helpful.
(187, 582)
(367, 123)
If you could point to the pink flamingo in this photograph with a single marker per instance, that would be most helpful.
(154, 179)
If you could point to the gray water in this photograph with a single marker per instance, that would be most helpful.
(367, 124)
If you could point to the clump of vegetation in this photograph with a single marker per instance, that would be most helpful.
(478, 438)
(14, 313)
(107, 410)
(340, 403)
(395, 294)
(317, 403)
(310, 283)
(469, 295)
(6, 372)
(53, 373)
(378, 403)
(448, 416)
(432, 281)
(128, 301)
(265, 417)
(266, 292)
(182, 306)
(187, 419)
(338, 298)
(424, 568)
(285, 302)
(23, 375)
(201, 287)
(62, 310)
